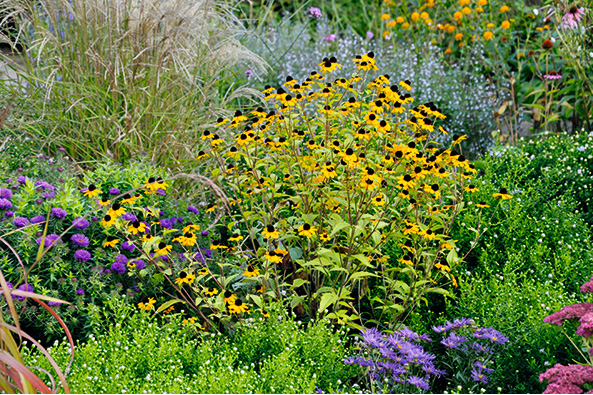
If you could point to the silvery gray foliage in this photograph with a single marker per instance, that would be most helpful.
(467, 99)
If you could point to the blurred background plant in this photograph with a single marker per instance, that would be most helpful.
(108, 80)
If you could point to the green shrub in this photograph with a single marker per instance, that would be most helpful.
(138, 354)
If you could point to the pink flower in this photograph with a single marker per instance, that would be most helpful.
(588, 286)
(586, 327)
(331, 37)
(572, 17)
(577, 310)
(567, 379)
(552, 75)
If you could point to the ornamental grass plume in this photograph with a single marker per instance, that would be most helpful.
(124, 77)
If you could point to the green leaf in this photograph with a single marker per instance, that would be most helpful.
(327, 299)
(168, 304)
(298, 282)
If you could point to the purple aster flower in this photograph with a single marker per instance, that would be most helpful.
(207, 252)
(5, 204)
(82, 255)
(129, 217)
(58, 213)
(118, 267)
(9, 284)
(52, 303)
(167, 223)
(491, 334)
(121, 258)
(373, 337)
(19, 222)
(114, 191)
(479, 376)
(49, 240)
(9, 214)
(80, 240)
(128, 246)
(483, 367)
(48, 195)
(192, 209)
(6, 193)
(358, 361)
(453, 341)
(79, 291)
(370, 35)
(408, 333)
(161, 192)
(80, 223)
(26, 288)
(481, 348)
(418, 382)
(204, 233)
(136, 288)
(94, 219)
(37, 219)
(43, 185)
(139, 264)
(22, 179)
(314, 12)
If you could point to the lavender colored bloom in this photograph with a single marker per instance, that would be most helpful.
(118, 267)
(453, 340)
(114, 191)
(481, 348)
(6, 193)
(41, 185)
(370, 35)
(136, 288)
(9, 284)
(121, 258)
(79, 291)
(9, 214)
(128, 246)
(314, 12)
(37, 219)
(26, 288)
(249, 73)
(479, 376)
(418, 382)
(49, 240)
(80, 223)
(192, 209)
(5, 204)
(373, 337)
(19, 222)
(358, 361)
(161, 192)
(129, 217)
(58, 213)
(331, 37)
(48, 195)
(586, 327)
(408, 333)
(483, 367)
(94, 219)
(492, 334)
(22, 179)
(80, 240)
(166, 223)
(567, 379)
(52, 303)
(82, 255)
(139, 264)
(204, 233)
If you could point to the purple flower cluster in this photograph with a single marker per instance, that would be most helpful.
(567, 379)
(114, 191)
(26, 288)
(5, 204)
(80, 223)
(19, 222)
(58, 213)
(128, 246)
(49, 240)
(37, 219)
(192, 209)
(129, 217)
(139, 264)
(82, 255)
(80, 240)
(5, 193)
(314, 12)
(396, 360)
(119, 266)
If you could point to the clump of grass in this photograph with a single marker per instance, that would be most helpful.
(115, 78)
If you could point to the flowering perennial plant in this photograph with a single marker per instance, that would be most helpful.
(328, 174)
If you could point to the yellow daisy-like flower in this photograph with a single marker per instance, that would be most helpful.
(505, 24)
(260, 289)
(264, 313)
(427, 234)
(191, 228)
(210, 291)
(406, 181)
(148, 306)
(92, 191)
(104, 202)
(210, 208)
(238, 307)
(273, 257)
(482, 205)
(116, 210)
(162, 249)
(488, 35)
(251, 272)
(236, 237)
(111, 241)
(270, 232)
(307, 230)
(185, 278)
(203, 272)
(503, 194)
(147, 238)
(442, 267)
(471, 188)
(137, 227)
(188, 239)
(411, 228)
(379, 200)
(128, 199)
(504, 8)
(407, 260)
(108, 221)
(228, 297)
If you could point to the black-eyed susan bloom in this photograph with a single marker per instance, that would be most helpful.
(503, 194)
(273, 257)
(379, 200)
(104, 202)
(108, 221)
(411, 228)
(210, 291)
(482, 205)
(137, 227)
(91, 191)
(307, 230)
(235, 237)
(228, 297)
(116, 210)
(264, 313)
(407, 260)
(148, 305)
(184, 277)
(111, 241)
(251, 272)
(188, 239)
(162, 249)
(261, 288)
(471, 188)
(238, 307)
(270, 232)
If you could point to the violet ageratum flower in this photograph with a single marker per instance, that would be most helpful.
(82, 255)
(48, 195)
(37, 219)
(192, 209)
(9, 214)
(6, 193)
(118, 267)
(19, 222)
(114, 191)
(121, 258)
(80, 291)
(5, 204)
(58, 213)
(139, 264)
(128, 246)
(80, 223)
(26, 288)
(129, 217)
(370, 35)
(80, 240)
